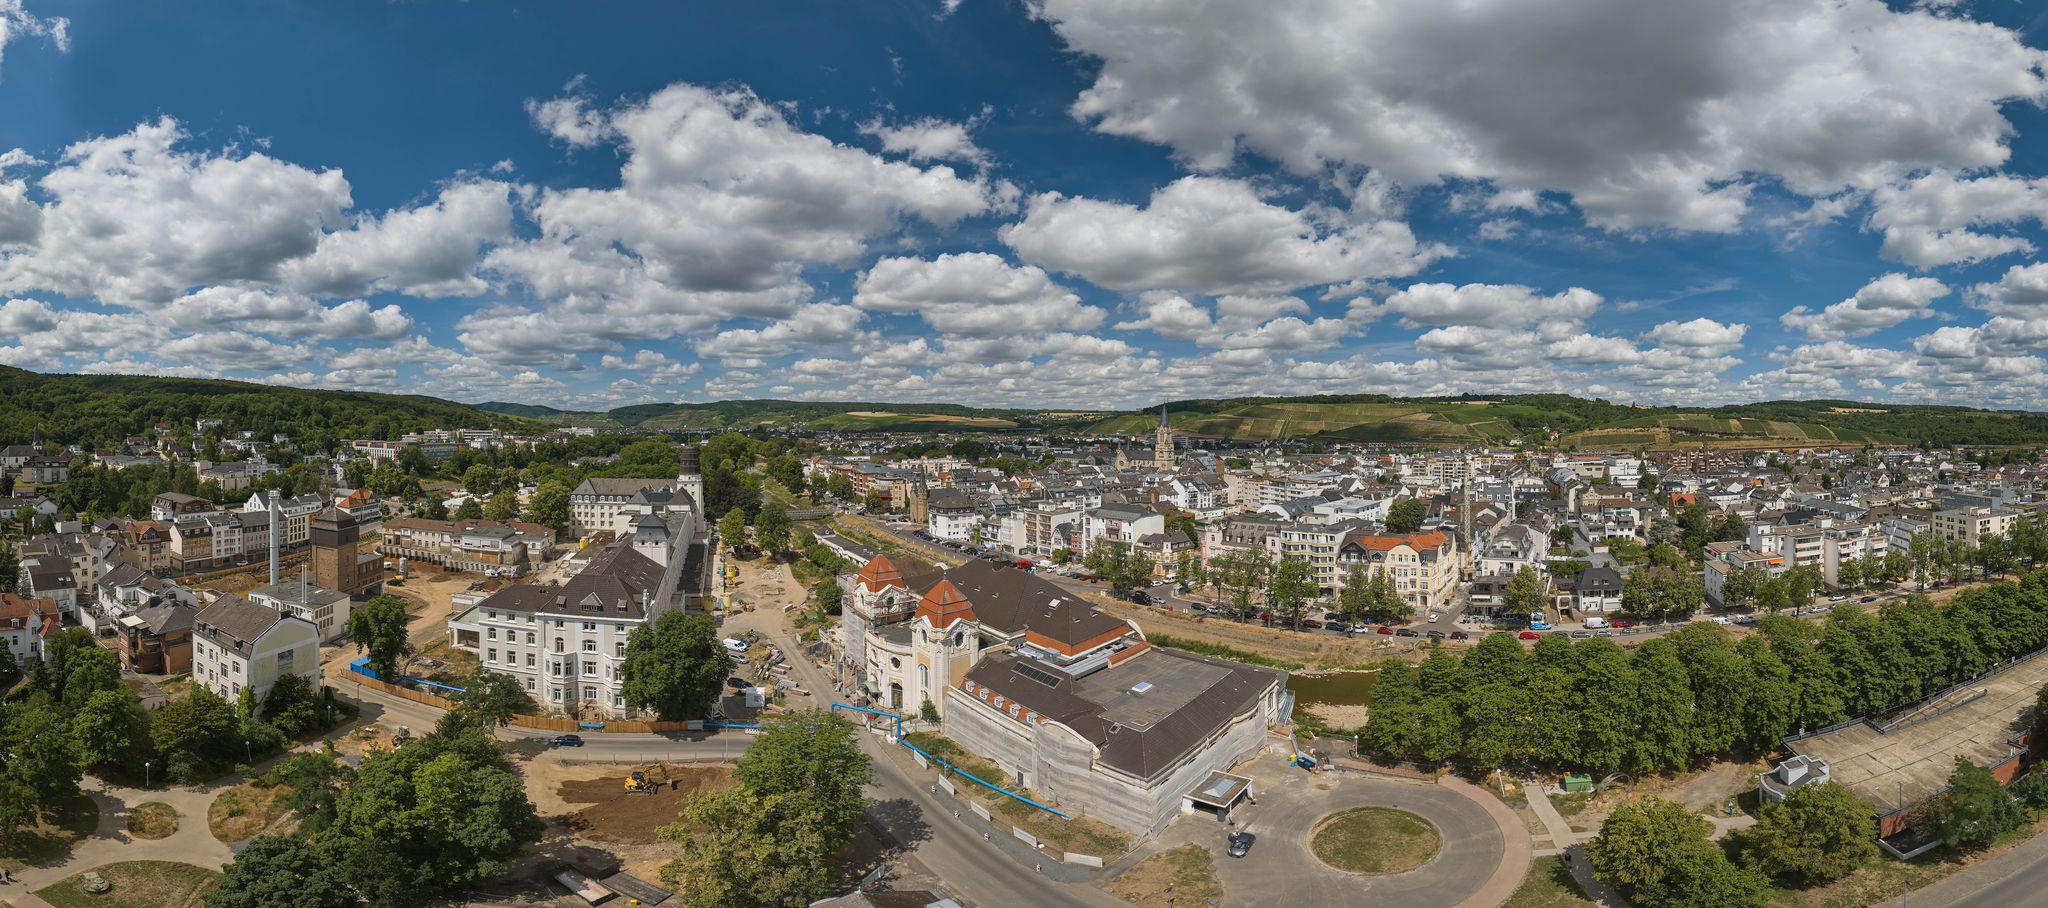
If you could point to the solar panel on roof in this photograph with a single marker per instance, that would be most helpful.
(1039, 675)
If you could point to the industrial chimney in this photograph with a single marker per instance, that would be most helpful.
(276, 517)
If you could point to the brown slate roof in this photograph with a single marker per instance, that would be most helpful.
(1139, 733)
(234, 623)
(612, 585)
(1012, 601)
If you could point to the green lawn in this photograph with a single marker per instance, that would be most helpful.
(1548, 885)
(1375, 840)
(62, 826)
(137, 884)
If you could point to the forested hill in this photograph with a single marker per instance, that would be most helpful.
(98, 411)
(1469, 419)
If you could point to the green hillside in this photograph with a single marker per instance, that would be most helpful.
(1583, 423)
(97, 411)
(1374, 418)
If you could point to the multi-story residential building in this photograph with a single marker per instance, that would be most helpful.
(170, 506)
(1511, 547)
(1044, 529)
(294, 530)
(157, 639)
(510, 547)
(46, 470)
(565, 643)
(238, 645)
(54, 583)
(1971, 525)
(597, 503)
(1425, 565)
(206, 542)
(25, 623)
(1118, 523)
(1317, 544)
(1238, 534)
(144, 545)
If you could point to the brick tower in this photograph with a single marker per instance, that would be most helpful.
(335, 560)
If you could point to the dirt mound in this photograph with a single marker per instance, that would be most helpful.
(631, 819)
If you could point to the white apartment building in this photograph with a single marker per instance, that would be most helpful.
(298, 514)
(1043, 529)
(1317, 544)
(1118, 523)
(238, 644)
(1972, 524)
(565, 643)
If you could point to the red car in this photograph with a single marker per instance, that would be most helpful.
(1385, 629)
(1530, 635)
(1623, 622)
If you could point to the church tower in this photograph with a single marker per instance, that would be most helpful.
(1162, 444)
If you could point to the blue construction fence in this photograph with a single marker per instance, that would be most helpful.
(898, 735)
(362, 667)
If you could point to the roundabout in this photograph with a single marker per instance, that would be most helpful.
(1349, 838)
(1374, 840)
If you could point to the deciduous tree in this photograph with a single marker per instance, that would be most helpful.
(1407, 515)
(675, 666)
(549, 506)
(277, 871)
(1291, 588)
(379, 630)
(1975, 810)
(1658, 854)
(1819, 833)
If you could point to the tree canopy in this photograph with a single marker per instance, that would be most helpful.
(675, 666)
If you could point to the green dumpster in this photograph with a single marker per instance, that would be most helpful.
(1578, 782)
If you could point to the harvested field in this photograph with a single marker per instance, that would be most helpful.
(631, 819)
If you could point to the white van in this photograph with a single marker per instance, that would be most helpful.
(1595, 623)
(734, 645)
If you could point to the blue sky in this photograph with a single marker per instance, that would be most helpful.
(1059, 203)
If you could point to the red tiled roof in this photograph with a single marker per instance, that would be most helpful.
(1426, 540)
(880, 573)
(944, 605)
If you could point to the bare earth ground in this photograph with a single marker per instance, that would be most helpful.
(586, 809)
(1183, 876)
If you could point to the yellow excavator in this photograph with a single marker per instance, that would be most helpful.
(647, 781)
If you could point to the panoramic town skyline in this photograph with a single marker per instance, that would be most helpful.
(1032, 204)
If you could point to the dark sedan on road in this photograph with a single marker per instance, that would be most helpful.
(566, 741)
(1407, 632)
(1241, 843)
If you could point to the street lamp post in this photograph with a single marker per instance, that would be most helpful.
(249, 750)
(145, 773)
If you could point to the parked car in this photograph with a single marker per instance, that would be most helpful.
(1385, 629)
(1436, 635)
(1241, 843)
(1867, 599)
(1582, 634)
(1407, 632)
(1838, 597)
(1339, 626)
(1623, 622)
(566, 741)
(1529, 635)
(1460, 635)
